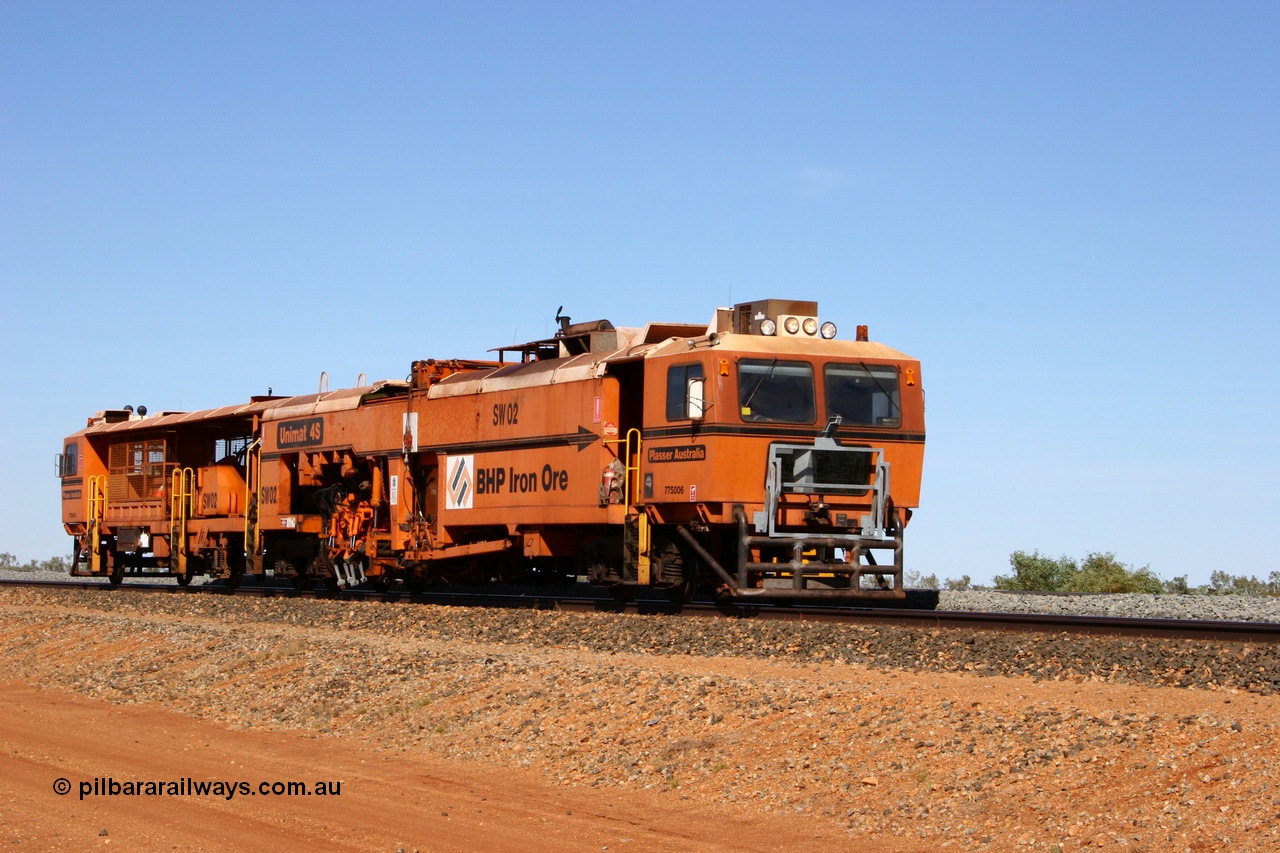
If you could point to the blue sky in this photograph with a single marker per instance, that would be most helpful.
(1069, 212)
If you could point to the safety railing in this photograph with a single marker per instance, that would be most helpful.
(182, 486)
(97, 512)
(631, 456)
(252, 499)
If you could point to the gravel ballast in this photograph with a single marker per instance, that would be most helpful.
(1232, 608)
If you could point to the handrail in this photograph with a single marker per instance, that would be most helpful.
(252, 489)
(630, 496)
(183, 481)
(97, 512)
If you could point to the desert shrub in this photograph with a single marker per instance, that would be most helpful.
(1223, 583)
(1104, 573)
(1099, 572)
(1037, 572)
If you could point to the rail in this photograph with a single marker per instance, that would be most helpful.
(922, 619)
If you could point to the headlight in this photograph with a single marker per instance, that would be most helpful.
(828, 330)
(768, 327)
(792, 325)
(810, 326)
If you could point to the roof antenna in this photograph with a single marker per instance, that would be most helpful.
(563, 321)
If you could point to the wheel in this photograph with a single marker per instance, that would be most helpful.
(681, 593)
(302, 582)
(184, 579)
(115, 565)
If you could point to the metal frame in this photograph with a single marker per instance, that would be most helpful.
(873, 535)
(776, 485)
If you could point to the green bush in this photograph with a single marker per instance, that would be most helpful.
(1036, 572)
(1221, 583)
(915, 580)
(1100, 572)
(53, 564)
(1104, 573)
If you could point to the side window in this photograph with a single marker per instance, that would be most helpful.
(69, 462)
(677, 389)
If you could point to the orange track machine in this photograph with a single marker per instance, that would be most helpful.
(757, 455)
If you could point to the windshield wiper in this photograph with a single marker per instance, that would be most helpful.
(883, 390)
(747, 403)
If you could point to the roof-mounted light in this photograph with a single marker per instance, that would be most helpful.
(768, 327)
(828, 330)
(810, 326)
(792, 325)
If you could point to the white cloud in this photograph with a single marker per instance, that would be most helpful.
(821, 179)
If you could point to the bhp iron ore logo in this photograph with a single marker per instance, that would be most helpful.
(460, 482)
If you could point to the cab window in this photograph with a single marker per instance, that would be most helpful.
(863, 394)
(775, 391)
(69, 462)
(678, 389)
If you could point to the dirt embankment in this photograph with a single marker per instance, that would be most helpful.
(453, 730)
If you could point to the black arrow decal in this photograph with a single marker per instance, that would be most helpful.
(584, 439)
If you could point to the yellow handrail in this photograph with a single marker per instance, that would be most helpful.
(183, 480)
(97, 512)
(629, 496)
(252, 489)
(631, 492)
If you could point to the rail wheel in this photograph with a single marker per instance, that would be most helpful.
(183, 579)
(682, 593)
(115, 565)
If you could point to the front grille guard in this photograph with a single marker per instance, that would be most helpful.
(807, 469)
(792, 575)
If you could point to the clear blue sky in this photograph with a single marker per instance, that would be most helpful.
(1070, 212)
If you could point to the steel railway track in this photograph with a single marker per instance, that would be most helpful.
(1043, 623)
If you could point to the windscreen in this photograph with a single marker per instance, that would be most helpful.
(863, 394)
(776, 391)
